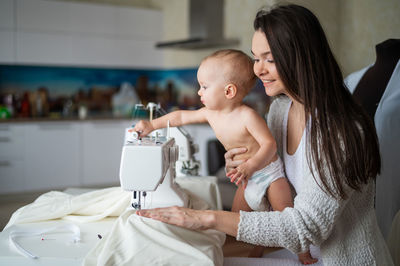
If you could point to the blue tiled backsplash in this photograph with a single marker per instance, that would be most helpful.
(31, 91)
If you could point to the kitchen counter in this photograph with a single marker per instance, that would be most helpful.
(62, 119)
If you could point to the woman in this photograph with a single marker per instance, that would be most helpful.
(327, 142)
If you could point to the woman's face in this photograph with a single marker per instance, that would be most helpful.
(264, 65)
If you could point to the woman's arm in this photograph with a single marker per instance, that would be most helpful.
(231, 164)
(310, 221)
(223, 221)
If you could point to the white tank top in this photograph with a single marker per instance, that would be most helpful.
(294, 167)
(294, 163)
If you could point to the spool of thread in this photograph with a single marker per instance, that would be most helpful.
(135, 135)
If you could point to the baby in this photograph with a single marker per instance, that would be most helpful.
(225, 78)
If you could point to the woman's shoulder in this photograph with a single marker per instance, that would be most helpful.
(278, 107)
(279, 103)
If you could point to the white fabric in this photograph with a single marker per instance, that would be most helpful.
(387, 123)
(14, 234)
(258, 184)
(204, 187)
(87, 207)
(135, 240)
(346, 230)
(57, 248)
(132, 235)
(352, 80)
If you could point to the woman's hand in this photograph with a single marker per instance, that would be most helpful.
(241, 174)
(183, 217)
(231, 164)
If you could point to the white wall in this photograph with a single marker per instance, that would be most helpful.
(363, 24)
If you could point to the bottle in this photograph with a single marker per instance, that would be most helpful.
(25, 106)
(9, 102)
(140, 112)
(4, 113)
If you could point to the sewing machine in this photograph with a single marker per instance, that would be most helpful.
(150, 163)
(186, 165)
(148, 169)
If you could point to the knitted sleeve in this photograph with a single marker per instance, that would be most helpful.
(311, 219)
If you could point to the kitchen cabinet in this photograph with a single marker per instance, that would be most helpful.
(7, 27)
(12, 158)
(43, 48)
(52, 155)
(101, 151)
(87, 19)
(79, 34)
(7, 14)
(7, 47)
(55, 155)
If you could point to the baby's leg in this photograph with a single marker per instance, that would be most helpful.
(239, 202)
(305, 258)
(279, 194)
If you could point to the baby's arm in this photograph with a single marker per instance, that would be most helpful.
(258, 128)
(177, 118)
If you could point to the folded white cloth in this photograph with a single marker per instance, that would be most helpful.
(87, 207)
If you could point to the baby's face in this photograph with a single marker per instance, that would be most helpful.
(212, 84)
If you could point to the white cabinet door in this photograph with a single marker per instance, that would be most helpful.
(7, 14)
(12, 147)
(84, 34)
(43, 47)
(101, 150)
(7, 31)
(52, 156)
(7, 48)
(42, 16)
(119, 52)
(12, 176)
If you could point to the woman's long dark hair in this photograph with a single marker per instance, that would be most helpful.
(343, 139)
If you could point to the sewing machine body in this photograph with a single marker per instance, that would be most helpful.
(148, 169)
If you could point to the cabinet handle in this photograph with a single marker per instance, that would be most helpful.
(55, 126)
(105, 125)
(5, 139)
(4, 163)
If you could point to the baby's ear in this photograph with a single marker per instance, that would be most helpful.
(230, 91)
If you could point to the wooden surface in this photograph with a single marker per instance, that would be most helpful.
(233, 248)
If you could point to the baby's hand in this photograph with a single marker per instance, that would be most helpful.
(144, 127)
(241, 174)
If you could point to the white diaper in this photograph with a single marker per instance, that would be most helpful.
(258, 184)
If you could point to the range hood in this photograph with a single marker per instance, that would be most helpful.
(206, 27)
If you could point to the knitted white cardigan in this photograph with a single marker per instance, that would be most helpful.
(345, 230)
